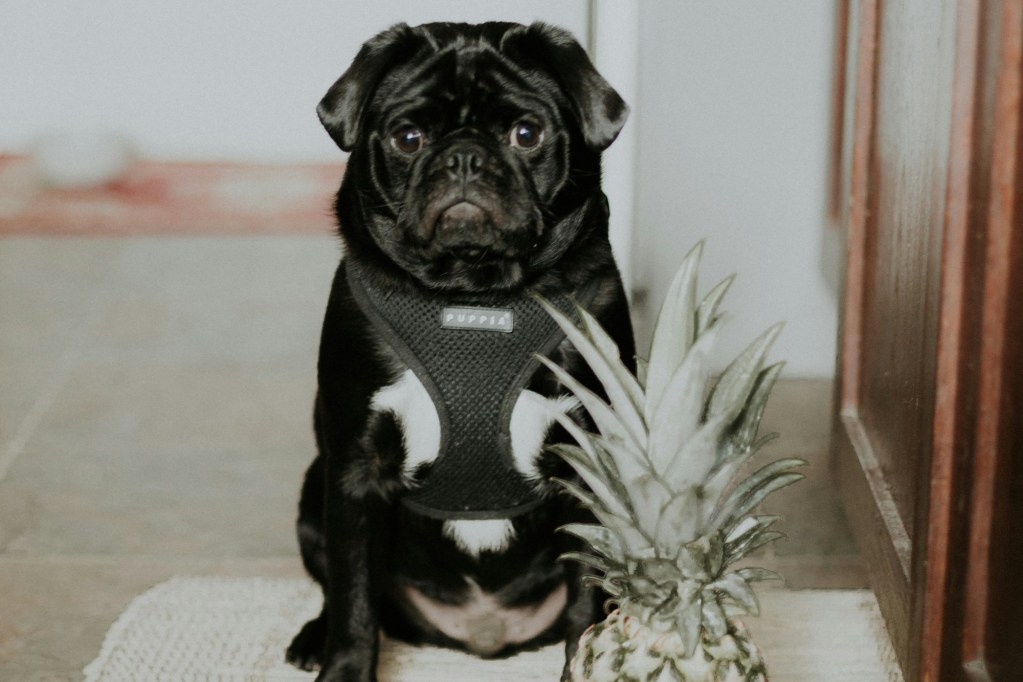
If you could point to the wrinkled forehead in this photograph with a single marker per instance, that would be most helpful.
(465, 84)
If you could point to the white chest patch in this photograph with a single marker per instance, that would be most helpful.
(531, 419)
(477, 536)
(411, 404)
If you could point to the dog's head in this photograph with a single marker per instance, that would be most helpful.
(475, 149)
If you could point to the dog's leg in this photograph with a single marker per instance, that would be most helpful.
(356, 516)
(306, 649)
(342, 530)
(353, 583)
(309, 527)
(585, 607)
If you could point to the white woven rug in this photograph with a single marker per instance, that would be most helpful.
(201, 629)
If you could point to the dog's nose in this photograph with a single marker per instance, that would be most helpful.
(464, 164)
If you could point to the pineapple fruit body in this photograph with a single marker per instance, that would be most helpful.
(667, 482)
(625, 648)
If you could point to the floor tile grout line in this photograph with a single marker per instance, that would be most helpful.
(85, 331)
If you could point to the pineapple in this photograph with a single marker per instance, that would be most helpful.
(663, 478)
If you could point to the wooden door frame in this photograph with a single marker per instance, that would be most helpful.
(937, 633)
(869, 503)
(998, 429)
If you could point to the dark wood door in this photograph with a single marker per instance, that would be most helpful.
(929, 423)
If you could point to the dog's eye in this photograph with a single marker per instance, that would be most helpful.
(408, 140)
(525, 135)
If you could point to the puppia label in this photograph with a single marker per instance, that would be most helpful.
(484, 319)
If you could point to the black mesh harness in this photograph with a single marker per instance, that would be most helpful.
(474, 355)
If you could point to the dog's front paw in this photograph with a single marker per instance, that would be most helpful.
(347, 668)
(306, 650)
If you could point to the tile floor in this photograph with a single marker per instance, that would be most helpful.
(154, 421)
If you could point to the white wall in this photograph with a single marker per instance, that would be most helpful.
(204, 79)
(733, 129)
(614, 48)
(727, 138)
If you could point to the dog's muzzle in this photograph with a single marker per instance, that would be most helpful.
(465, 230)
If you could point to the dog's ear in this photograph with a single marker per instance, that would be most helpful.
(341, 110)
(601, 112)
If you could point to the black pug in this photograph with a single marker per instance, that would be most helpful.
(473, 181)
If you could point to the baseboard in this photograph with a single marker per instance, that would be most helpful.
(171, 198)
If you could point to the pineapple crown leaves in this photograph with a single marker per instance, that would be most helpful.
(664, 468)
